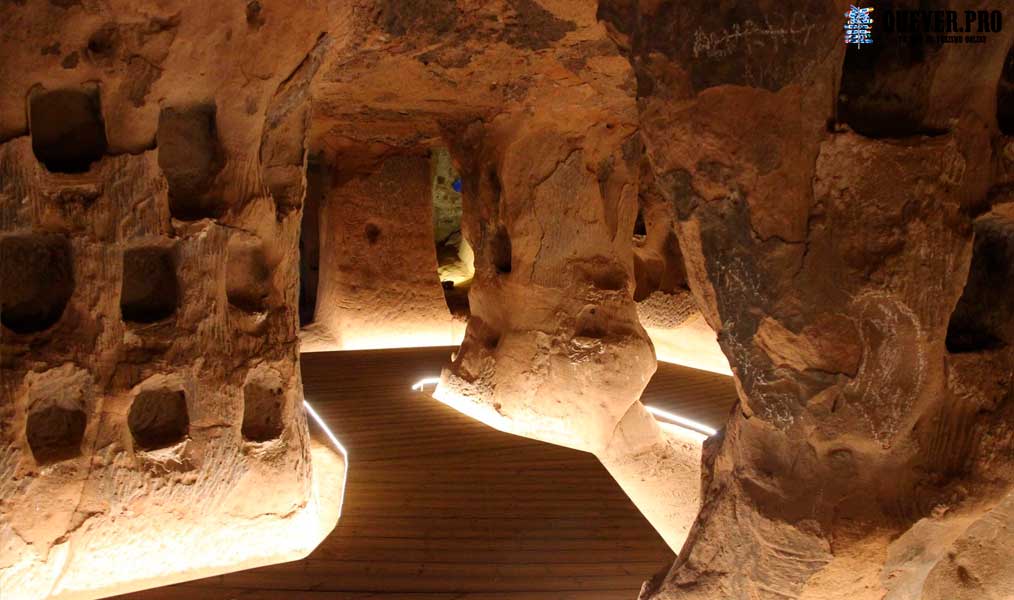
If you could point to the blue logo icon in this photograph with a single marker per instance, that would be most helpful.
(859, 27)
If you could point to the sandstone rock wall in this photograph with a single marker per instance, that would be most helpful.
(666, 307)
(537, 108)
(150, 377)
(378, 285)
(636, 177)
(827, 206)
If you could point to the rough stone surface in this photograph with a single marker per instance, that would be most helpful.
(826, 210)
(665, 305)
(638, 179)
(378, 285)
(150, 387)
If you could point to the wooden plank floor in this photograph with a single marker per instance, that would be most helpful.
(699, 395)
(439, 506)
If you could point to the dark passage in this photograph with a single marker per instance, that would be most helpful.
(885, 86)
(454, 256)
(1005, 96)
(982, 319)
(317, 182)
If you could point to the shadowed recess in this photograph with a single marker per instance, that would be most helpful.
(1005, 96)
(149, 291)
(885, 87)
(248, 277)
(158, 419)
(54, 432)
(68, 134)
(262, 412)
(317, 180)
(500, 250)
(982, 318)
(36, 281)
(191, 156)
(640, 230)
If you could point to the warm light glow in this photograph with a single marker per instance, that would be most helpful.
(327, 431)
(682, 432)
(555, 429)
(467, 407)
(482, 413)
(656, 461)
(338, 446)
(361, 340)
(408, 336)
(418, 386)
(692, 344)
(155, 547)
(682, 421)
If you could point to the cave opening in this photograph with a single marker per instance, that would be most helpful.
(885, 87)
(317, 180)
(36, 281)
(455, 259)
(262, 412)
(158, 419)
(982, 318)
(55, 432)
(1005, 96)
(640, 229)
(68, 133)
(149, 291)
(191, 156)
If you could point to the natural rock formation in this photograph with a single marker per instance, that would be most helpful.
(666, 307)
(150, 387)
(537, 108)
(830, 249)
(553, 348)
(377, 281)
(634, 177)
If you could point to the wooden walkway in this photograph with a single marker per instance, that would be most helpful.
(703, 396)
(439, 506)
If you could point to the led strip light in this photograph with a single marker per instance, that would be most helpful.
(659, 414)
(338, 446)
(681, 421)
(418, 386)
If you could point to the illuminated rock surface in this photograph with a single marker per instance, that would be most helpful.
(150, 378)
(830, 248)
(187, 193)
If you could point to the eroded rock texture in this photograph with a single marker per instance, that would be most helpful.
(378, 285)
(150, 381)
(830, 210)
(633, 174)
(678, 329)
(536, 107)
